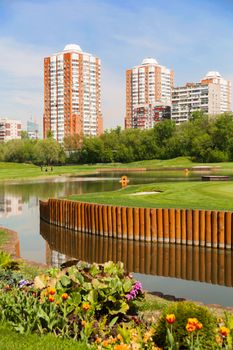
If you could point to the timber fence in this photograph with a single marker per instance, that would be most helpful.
(169, 260)
(209, 228)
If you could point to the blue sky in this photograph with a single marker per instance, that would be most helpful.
(190, 36)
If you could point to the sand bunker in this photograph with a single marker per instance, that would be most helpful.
(141, 193)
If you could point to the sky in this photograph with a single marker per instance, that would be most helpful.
(190, 36)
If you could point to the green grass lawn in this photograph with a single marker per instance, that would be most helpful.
(196, 195)
(11, 171)
(10, 340)
(3, 237)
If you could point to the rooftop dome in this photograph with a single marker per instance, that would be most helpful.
(149, 60)
(213, 74)
(72, 47)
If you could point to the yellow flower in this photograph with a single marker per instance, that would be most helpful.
(86, 306)
(224, 331)
(170, 318)
(105, 342)
(83, 323)
(51, 290)
(193, 321)
(147, 336)
(64, 296)
(218, 339)
(119, 337)
(122, 347)
(190, 327)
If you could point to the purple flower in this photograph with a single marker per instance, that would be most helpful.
(137, 287)
(23, 283)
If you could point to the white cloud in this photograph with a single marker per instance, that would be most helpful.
(21, 60)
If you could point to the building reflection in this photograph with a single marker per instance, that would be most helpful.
(10, 205)
(186, 262)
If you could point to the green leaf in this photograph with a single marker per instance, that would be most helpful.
(65, 281)
(94, 270)
(113, 321)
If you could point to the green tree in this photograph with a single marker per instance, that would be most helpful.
(48, 152)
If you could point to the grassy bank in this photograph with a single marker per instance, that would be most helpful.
(3, 237)
(196, 195)
(11, 171)
(10, 340)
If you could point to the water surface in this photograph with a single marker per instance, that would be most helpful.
(195, 273)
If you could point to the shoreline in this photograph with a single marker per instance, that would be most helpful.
(12, 247)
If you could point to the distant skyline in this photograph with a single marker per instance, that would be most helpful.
(191, 37)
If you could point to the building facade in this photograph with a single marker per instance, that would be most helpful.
(32, 130)
(10, 129)
(72, 94)
(211, 95)
(148, 93)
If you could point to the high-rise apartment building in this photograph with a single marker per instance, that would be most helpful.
(32, 130)
(225, 89)
(211, 95)
(148, 94)
(72, 94)
(10, 129)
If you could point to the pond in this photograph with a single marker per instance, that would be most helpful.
(192, 273)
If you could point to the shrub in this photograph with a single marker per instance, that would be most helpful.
(183, 311)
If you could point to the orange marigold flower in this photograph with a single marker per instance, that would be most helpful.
(65, 296)
(51, 299)
(121, 347)
(98, 340)
(224, 331)
(119, 337)
(190, 327)
(52, 291)
(86, 306)
(170, 318)
(218, 339)
(105, 342)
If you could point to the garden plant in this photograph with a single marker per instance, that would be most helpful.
(98, 305)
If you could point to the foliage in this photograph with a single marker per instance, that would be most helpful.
(98, 305)
(6, 261)
(76, 302)
(10, 340)
(184, 311)
(229, 324)
(204, 138)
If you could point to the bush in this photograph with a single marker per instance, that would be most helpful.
(183, 311)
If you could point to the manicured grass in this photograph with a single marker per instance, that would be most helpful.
(10, 340)
(3, 237)
(195, 195)
(11, 171)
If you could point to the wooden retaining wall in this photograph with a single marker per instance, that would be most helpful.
(169, 260)
(208, 228)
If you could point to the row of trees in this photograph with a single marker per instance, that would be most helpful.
(203, 138)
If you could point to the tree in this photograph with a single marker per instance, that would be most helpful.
(48, 152)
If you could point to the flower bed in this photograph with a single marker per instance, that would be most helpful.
(98, 304)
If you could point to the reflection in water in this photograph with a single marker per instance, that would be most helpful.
(179, 261)
(10, 205)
